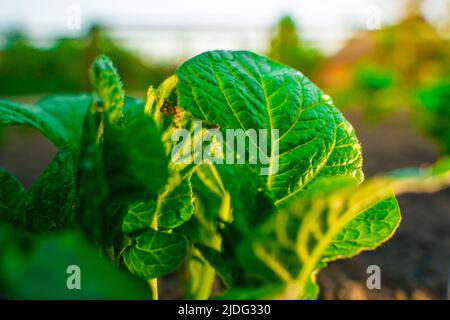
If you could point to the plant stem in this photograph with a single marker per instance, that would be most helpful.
(201, 288)
(204, 290)
(153, 283)
(205, 287)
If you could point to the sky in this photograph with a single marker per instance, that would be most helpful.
(171, 27)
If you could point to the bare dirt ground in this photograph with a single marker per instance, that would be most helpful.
(414, 264)
(25, 153)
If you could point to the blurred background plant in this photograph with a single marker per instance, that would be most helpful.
(380, 71)
(26, 69)
(433, 113)
(392, 82)
(287, 47)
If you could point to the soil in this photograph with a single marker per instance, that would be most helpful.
(414, 264)
(25, 153)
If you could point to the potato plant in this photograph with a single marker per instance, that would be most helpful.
(113, 203)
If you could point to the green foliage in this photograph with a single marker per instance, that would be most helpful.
(176, 203)
(56, 117)
(286, 47)
(12, 195)
(61, 67)
(112, 194)
(373, 78)
(155, 254)
(374, 88)
(139, 216)
(433, 113)
(50, 204)
(129, 171)
(374, 73)
(108, 87)
(427, 179)
(35, 267)
(332, 219)
(242, 90)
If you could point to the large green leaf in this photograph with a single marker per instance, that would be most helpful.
(122, 162)
(12, 196)
(59, 118)
(35, 267)
(332, 219)
(102, 217)
(242, 90)
(50, 205)
(134, 159)
(154, 254)
(92, 187)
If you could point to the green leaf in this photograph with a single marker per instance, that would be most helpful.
(92, 187)
(176, 202)
(420, 180)
(50, 205)
(222, 264)
(332, 219)
(250, 200)
(35, 267)
(95, 216)
(155, 254)
(12, 196)
(132, 108)
(160, 98)
(107, 84)
(123, 158)
(243, 90)
(442, 166)
(58, 117)
(235, 196)
(212, 200)
(139, 216)
(134, 159)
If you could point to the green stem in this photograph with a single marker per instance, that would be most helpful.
(153, 283)
(204, 290)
